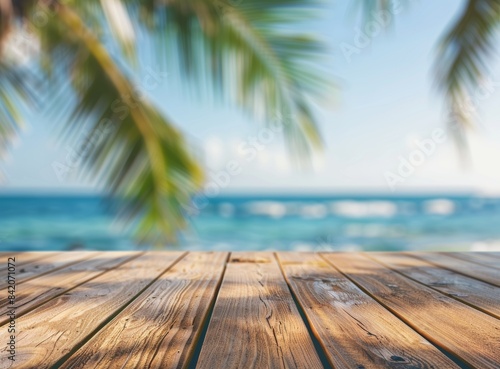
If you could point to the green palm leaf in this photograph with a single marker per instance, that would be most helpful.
(136, 152)
(462, 60)
(250, 56)
(462, 63)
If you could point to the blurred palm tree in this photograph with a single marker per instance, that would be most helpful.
(462, 59)
(248, 52)
(462, 63)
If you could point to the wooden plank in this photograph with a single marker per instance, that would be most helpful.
(481, 272)
(38, 291)
(53, 330)
(23, 258)
(161, 327)
(47, 265)
(353, 329)
(251, 257)
(495, 254)
(480, 295)
(477, 257)
(467, 333)
(255, 311)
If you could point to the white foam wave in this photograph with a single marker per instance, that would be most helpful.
(358, 209)
(439, 207)
(269, 208)
(315, 211)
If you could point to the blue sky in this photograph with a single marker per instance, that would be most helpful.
(383, 103)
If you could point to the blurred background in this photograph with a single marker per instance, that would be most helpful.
(397, 165)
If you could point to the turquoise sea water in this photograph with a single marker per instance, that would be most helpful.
(265, 223)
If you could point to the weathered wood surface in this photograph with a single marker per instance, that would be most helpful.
(471, 291)
(26, 271)
(470, 334)
(256, 311)
(161, 327)
(355, 331)
(469, 268)
(478, 257)
(253, 310)
(52, 331)
(22, 258)
(37, 291)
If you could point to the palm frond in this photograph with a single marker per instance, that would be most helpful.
(251, 54)
(121, 26)
(254, 55)
(370, 8)
(16, 92)
(137, 153)
(462, 62)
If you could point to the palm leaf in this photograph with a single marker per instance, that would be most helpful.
(135, 152)
(253, 56)
(16, 93)
(462, 63)
(247, 54)
(146, 161)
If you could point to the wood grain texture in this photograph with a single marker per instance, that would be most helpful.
(53, 330)
(255, 322)
(476, 293)
(149, 311)
(161, 327)
(251, 257)
(467, 333)
(354, 330)
(38, 291)
(482, 258)
(23, 258)
(495, 254)
(49, 264)
(474, 270)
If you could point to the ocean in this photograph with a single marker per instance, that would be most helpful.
(298, 223)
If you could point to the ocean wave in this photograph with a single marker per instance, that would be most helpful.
(314, 211)
(277, 210)
(226, 210)
(439, 207)
(277, 223)
(358, 209)
(272, 209)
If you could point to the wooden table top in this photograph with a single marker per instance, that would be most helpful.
(212, 310)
